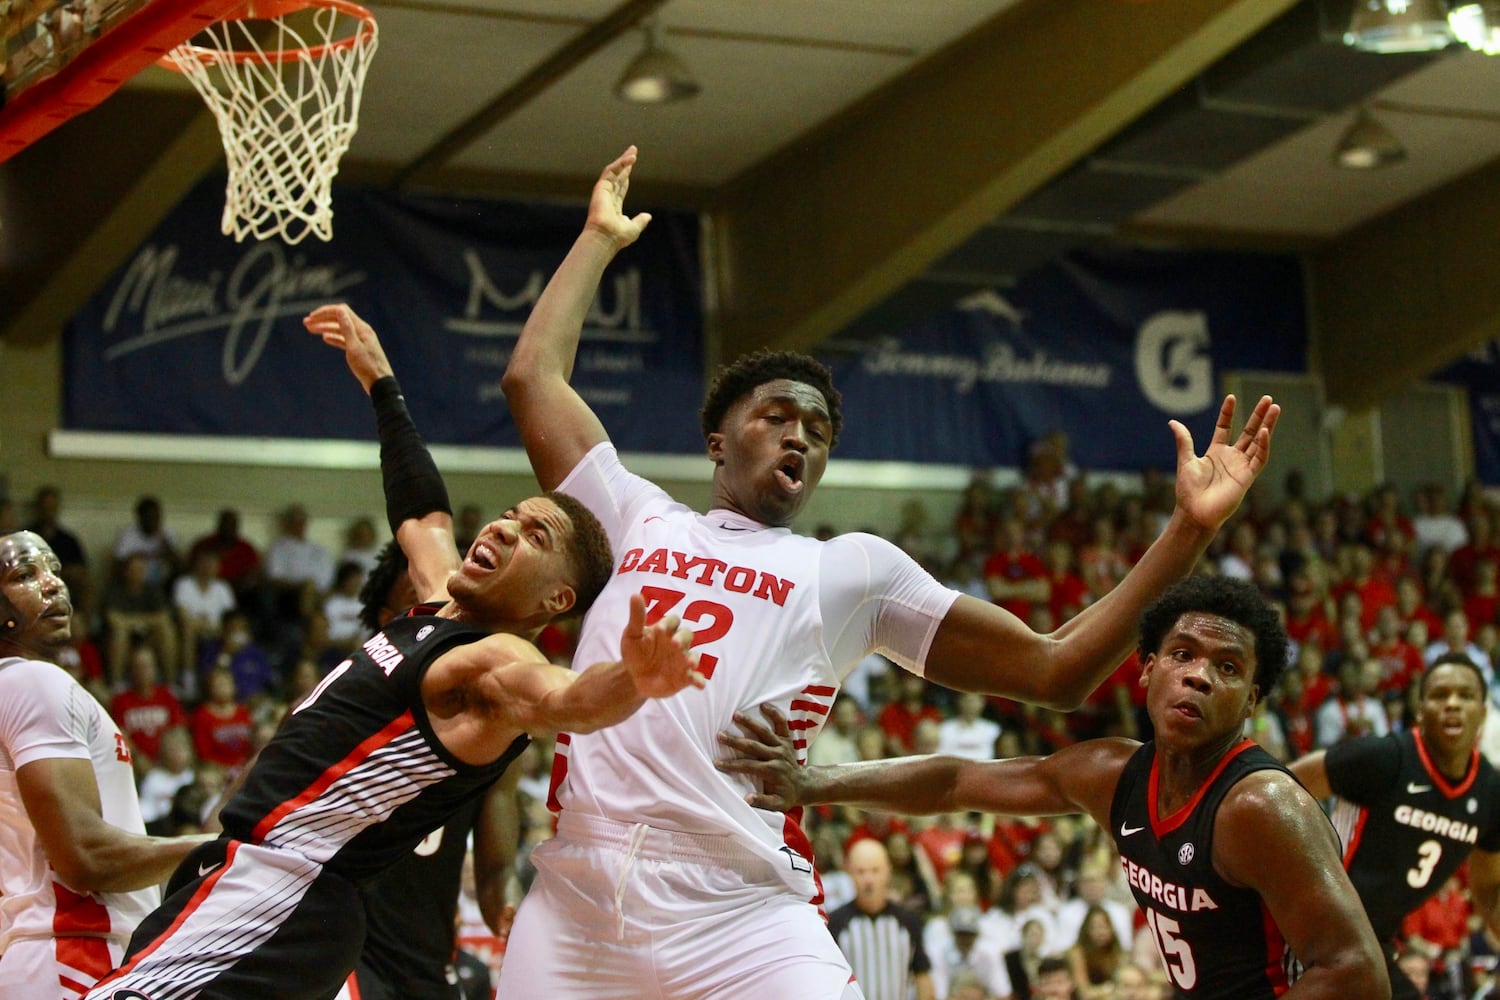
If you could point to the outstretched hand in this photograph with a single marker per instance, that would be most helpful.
(607, 204)
(340, 327)
(1210, 487)
(657, 656)
(768, 756)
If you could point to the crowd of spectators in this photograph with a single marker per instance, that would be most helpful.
(198, 651)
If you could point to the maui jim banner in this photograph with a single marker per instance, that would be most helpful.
(1106, 348)
(200, 335)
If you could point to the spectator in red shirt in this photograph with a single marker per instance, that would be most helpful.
(239, 563)
(1375, 590)
(1068, 594)
(899, 719)
(1015, 576)
(1464, 561)
(222, 727)
(1483, 600)
(1411, 607)
(1307, 621)
(147, 708)
(1400, 661)
(1442, 923)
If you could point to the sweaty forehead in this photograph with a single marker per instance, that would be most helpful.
(1214, 630)
(549, 513)
(786, 390)
(22, 547)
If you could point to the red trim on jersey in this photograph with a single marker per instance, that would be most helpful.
(560, 751)
(795, 838)
(1275, 953)
(799, 724)
(355, 757)
(78, 913)
(86, 955)
(1354, 835)
(1169, 823)
(820, 691)
(187, 911)
(351, 986)
(803, 705)
(1445, 786)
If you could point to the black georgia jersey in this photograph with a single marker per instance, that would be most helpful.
(1218, 940)
(356, 777)
(1404, 825)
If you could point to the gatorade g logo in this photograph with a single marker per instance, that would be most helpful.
(1172, 362)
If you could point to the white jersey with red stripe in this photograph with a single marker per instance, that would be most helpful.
(777, 617)
(45, 714)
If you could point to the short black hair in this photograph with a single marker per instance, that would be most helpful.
(740, 377)
(379, 583)
(1455, 659)
(588, 553)
(1226, 597)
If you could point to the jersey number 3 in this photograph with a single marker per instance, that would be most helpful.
(1428, 856)
(712, 618)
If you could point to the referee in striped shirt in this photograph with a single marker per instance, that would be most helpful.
(881, 939)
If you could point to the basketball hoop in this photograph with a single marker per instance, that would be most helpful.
(283, 79)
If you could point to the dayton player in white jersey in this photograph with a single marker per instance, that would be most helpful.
(658, 882)
(77, 872)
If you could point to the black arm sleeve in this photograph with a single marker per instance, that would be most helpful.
(413, 485)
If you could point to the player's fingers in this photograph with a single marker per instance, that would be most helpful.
(1226, 418)
(756, 728)
(635, 626)
(776, 719)
(748, 748)
(1184, 440)
(643, 220)
(773, 802)
(697, 680)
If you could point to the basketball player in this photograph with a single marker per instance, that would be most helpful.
(1413, 805)
(410, 909)
(1231, 860)
(423, 717)
(779, 618)
(77, 871)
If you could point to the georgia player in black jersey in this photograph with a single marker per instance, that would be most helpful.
(1233, 862)
(424, 716)
(1413, 806)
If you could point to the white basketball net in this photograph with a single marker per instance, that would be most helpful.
(286, 115)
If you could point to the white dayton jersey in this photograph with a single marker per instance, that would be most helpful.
(45, 714)
(777, 618)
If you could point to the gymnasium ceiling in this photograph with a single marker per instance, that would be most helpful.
(863, 162)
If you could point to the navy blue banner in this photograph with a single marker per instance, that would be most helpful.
(200, 335)
(1107, 348)
(1479, 373)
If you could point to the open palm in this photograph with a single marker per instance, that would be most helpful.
(607, 203)
(1210, 486)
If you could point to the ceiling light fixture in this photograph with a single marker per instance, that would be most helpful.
(1477, 25)
(1368, 145)
(656, 76)
(1399, 26)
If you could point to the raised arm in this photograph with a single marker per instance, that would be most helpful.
(1271, 836)
(981, 647)
(416, 500)
(61, 796)
(1078, 779)
(557, 427)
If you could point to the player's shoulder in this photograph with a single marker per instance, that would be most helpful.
(19, 675)
(1267, 798)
